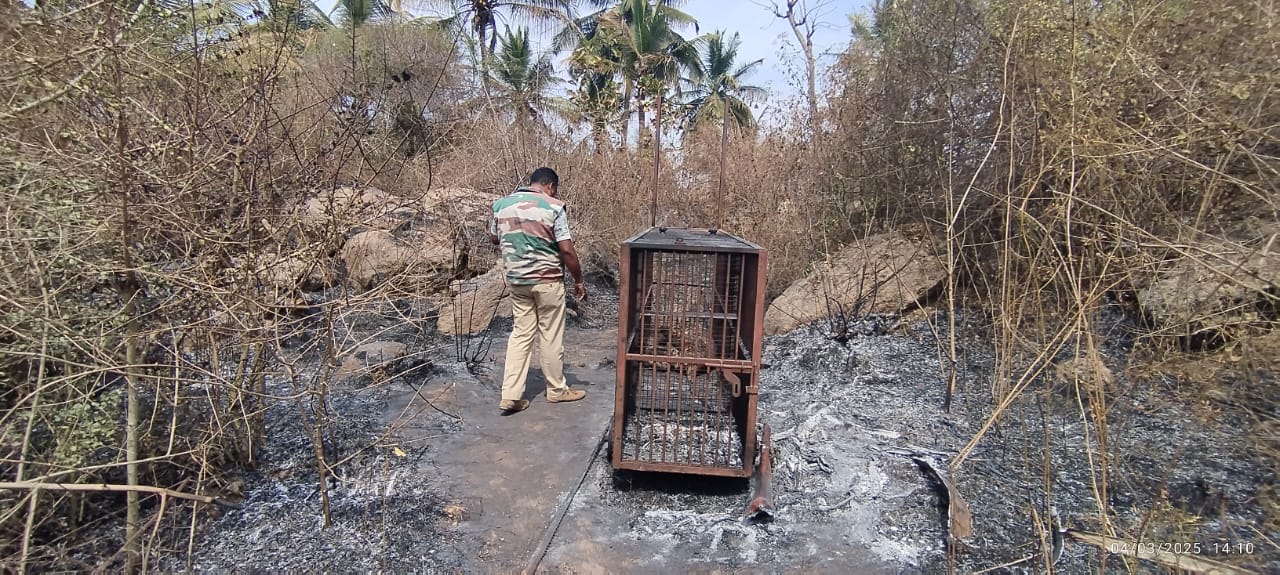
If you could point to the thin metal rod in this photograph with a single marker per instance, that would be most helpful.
(657, 160)
(682, 379)
(531, 566)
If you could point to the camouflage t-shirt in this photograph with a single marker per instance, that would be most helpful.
(529, 225)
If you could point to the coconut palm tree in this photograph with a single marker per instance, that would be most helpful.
(595, 102)
(356, 13)
(481, 16)
(522, 78)
(597, 39)
(256, 14)
(651, 54)
(716, 89)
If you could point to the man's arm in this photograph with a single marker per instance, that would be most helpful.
(569, 256)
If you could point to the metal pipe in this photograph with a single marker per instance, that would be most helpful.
(761, 506)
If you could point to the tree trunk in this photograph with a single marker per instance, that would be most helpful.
(599, 137)
(485, 80)
(626, 112)
(724, 139)
(130, 289)
(803, 28)
(813, 90)
(29, 531)
(641, 127)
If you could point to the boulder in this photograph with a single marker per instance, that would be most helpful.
(290, 272)
(1214, 294)
(374, 256)
(881, 274)
(1262, 350)
(370, 208)
(442, 234)
(457, 201)
(459, 218)
(476, 303)
(380, 358)
(441, 254)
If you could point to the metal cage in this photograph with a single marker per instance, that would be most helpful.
(689, 343)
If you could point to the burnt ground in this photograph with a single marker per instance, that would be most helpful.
(456, 488)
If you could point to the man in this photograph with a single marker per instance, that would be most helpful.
(533, 229)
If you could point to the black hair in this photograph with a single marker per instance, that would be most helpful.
(546, 176)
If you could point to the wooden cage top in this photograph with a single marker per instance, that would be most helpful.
(691, 239)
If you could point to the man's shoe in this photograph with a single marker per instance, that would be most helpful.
(510, 406)
(571, 395)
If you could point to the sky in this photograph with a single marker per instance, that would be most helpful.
(764, 36)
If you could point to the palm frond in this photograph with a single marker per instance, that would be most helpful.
(747, 69)
(716, 86)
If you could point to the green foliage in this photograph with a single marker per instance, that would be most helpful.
(523, 79)
(82, 428)
(480, 17)
(652, 53)
(355, 13)
(716, 89)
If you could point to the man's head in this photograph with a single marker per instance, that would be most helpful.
(545, 180)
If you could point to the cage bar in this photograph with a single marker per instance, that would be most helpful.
(689, 340)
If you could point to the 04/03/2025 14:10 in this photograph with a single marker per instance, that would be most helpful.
(1231, 548)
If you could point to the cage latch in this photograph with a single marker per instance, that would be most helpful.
(735, 384)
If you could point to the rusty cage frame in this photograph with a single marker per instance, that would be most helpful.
(690, 325)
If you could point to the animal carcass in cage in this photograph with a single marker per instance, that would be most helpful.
(689, 342)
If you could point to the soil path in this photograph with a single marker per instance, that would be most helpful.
(508, 474)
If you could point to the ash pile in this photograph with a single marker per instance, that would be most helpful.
(384, 517)
(857, 425)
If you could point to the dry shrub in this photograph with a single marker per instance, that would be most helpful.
(1061, 155)
(1065, 155)
(151, 191)
(770, 193)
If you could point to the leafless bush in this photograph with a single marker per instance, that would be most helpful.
(152, 167)
(1063, 157)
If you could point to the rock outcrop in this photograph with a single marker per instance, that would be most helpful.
(1215, 294)
(373, 256)
(377, 235)
(881, 274)
(293, 272)
(476, 303)
(376, 360)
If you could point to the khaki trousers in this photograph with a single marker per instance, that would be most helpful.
(537, 310)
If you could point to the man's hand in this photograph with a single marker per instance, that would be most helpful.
(580, 291)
